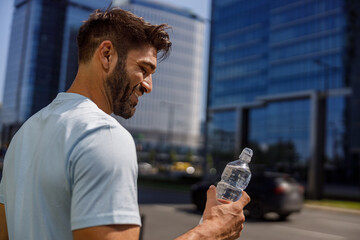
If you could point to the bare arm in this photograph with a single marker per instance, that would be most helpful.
(109, 232)
(3, 226)
(222, 219)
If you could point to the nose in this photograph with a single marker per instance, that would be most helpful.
(147, 84)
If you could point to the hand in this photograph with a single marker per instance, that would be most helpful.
(224, 219)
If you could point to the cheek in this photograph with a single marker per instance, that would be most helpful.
(136, 79)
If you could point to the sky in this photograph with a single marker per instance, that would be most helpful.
(200, 7)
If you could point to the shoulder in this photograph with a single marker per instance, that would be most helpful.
(82, 117)
(101, 147)
(103, 129)
(86, 128)
(102, 136)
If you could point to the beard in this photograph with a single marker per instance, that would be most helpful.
(119, 89)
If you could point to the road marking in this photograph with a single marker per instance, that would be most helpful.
(313, 234)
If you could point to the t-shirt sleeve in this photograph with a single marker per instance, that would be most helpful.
(103, 175)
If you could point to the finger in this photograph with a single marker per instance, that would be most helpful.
(211, 195)
(244, 200)
(224, 201)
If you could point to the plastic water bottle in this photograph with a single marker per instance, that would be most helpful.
(235, 177)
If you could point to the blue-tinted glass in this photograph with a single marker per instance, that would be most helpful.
(222, 137)
(262, 48)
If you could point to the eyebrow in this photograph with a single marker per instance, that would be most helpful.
(149, 64)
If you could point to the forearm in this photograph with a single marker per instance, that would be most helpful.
(108, 232)
(197, 233)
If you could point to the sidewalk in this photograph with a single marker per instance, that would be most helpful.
(334, 209)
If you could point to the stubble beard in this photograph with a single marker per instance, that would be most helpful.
(120, 91)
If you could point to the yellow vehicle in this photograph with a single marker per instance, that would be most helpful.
(185, 167)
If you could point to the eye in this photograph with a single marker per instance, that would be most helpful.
(144, 71)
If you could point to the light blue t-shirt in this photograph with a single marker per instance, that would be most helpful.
(70, 166)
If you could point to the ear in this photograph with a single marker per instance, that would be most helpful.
(107, 55)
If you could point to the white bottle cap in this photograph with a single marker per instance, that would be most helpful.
(246, 155)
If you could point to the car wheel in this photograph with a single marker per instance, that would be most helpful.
(256, 209)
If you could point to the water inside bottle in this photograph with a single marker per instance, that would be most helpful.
(236, 176)
(234, 180)
(228, 192)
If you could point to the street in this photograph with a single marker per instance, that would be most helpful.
(171, 220)
(309, 224)
(168, 220)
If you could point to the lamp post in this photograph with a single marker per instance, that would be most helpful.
(318, 143)
(171, 119)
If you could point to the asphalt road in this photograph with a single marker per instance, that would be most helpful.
(314, 224)
(169, 218)
(167, 221)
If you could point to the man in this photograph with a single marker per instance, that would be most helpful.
(71, 170)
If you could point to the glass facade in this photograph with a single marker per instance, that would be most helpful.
(169, 117)
(264, 48)
(44, 62)
(35, 64)
(17, 66)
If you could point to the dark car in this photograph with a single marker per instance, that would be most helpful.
(269, 192)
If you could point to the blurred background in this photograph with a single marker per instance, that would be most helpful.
(278, 76)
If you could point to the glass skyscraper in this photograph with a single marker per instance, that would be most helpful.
(279, 82)
(38, 56)
(170, 115)
(43, 61)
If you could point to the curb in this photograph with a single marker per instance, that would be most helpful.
(335, 209)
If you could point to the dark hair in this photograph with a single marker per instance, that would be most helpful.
(124, 29)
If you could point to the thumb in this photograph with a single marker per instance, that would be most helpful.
(244, 199)
(211, 196)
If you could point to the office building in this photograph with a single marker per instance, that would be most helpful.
(36, 61)
(43, 61)
(283, 80)
(170, 115)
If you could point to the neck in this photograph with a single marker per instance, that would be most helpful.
(90, 83)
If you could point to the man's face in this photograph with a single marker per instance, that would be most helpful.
(130, 79)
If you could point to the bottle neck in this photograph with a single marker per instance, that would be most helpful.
(240, 163)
